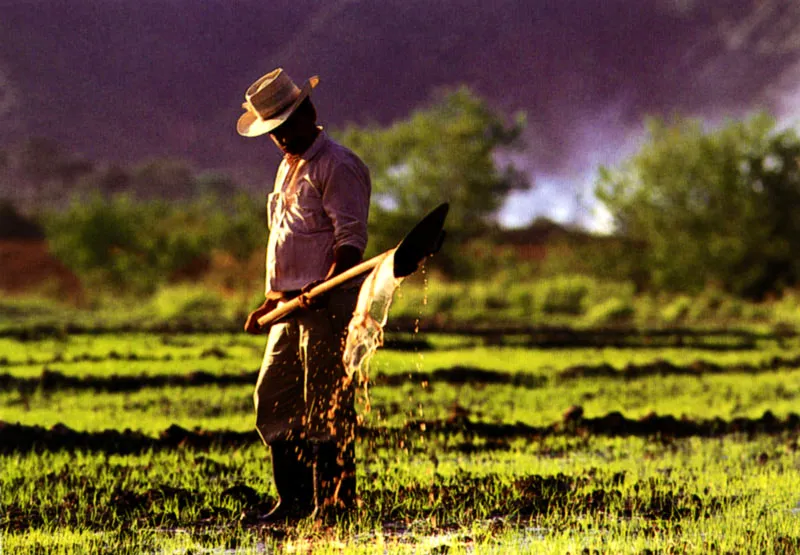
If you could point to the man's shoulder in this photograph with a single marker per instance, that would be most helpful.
(335, 154)
(338, 152)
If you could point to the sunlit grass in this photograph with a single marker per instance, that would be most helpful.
(214, 407)
(423, 492)
(728, 481)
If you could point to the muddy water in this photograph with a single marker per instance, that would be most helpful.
(365, 332)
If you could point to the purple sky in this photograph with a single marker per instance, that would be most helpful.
(124, 81)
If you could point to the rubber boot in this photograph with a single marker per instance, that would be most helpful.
(293, 474)
(334, 480)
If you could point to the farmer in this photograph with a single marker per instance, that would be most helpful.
(317, 216)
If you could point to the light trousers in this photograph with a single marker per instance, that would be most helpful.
(302, 390)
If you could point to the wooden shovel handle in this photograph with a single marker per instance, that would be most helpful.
(286, 308)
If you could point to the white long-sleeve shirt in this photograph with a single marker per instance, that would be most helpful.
(320, 202)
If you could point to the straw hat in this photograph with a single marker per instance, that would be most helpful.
(270, 101)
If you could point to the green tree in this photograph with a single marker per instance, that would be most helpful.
(717, 207)
(448, 151)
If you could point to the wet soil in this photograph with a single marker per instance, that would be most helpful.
(447, 501)
(666, 368)
(21, 438)
(492, 334)
(461, 375)
(566, 337)
(216, 352)
(54, 380)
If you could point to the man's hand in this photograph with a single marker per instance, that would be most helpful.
(251, 325)
(307, 302)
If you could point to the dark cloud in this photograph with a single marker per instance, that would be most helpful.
(125, 81)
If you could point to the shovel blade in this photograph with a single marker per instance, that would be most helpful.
(422, 241)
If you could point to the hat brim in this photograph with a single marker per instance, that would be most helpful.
(250, 125)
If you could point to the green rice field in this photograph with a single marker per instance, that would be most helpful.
(145, 442)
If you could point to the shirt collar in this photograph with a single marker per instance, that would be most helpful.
(313, 150)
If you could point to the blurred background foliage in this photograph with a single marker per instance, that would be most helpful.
(711, 207)
(136, 246)
(705, 221)
(446, 151)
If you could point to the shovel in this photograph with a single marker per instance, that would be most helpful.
(422, 241)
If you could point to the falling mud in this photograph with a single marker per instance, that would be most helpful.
(365, 331)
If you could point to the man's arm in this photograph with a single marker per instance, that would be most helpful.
(345, 199)
(344, 258)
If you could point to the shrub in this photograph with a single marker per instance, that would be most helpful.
(135, 245)
(188, 303)
(609, 312)
(678, 310)
(563, 295)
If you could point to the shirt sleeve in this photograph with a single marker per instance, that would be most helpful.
(345, 200)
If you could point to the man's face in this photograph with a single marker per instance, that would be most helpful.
(295, 134)
(287, 137)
